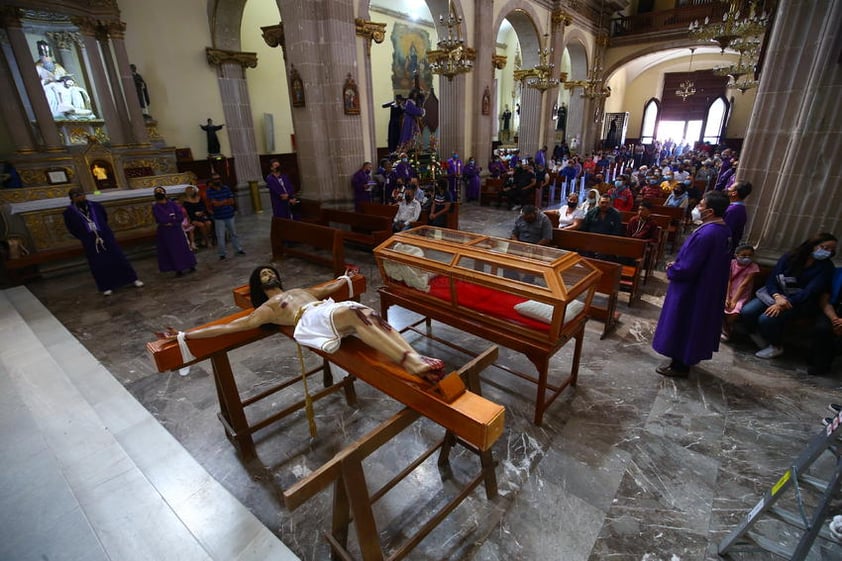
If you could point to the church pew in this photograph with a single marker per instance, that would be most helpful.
(379, 209)
(629, 250)
(490, 191)
(361, 229)
(604, 303)
(306, 237)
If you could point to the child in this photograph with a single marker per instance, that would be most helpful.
(740, 285)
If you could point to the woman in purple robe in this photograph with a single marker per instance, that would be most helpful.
(174, 252)
(361, 182)
(87, 221)
(691, 319)
(471, 175)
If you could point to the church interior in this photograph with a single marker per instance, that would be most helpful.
(107, 456)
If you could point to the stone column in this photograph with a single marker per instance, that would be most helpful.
(791, 152)
(11, 108)
(484, 66)
(531, 101)
(236, 107)
(370, 31)
(328, 140)
(452, 116)
(559, 20)
(102, 91)
(32, 84)
(128, 106)
(67, 42)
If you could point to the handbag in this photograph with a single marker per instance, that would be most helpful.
(763, 295)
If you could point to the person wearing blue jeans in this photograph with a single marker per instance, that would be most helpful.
(222, 202)
(792, 291)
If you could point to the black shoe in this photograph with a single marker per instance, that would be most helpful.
(828, 421)
(179, 274)
(222, 258)
(669, 371)
(835, 407)
(241, 252)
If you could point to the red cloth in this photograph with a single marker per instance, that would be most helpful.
(485, 300)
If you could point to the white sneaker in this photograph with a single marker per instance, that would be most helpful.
(770, 352)
(759, 340)
(138, 283)
(108, 293)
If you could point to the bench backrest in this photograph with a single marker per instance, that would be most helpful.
(379, 209)
(661, 220)
(575, 240)
(676, 213)
(314, 236)
(609, 281)
(357, 220)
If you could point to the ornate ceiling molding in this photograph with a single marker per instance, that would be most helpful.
(66, 40)
(498, 61)
(219, 56)
(560, 17)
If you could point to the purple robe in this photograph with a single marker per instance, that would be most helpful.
(496, 168)
(173, 250)
(736, 218)
(410, 125)
(691, 319)
(278, 187)
(454, 176)
(108, 264)
(360, 182)
(471, 173)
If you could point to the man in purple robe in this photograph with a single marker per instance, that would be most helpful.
(404, 169)
(472, 180)
(412, 109)
(361, 183)
(174, 253)
(454, 175)
(736, 215)
(87, 221)
(281, 191)
(691, 319)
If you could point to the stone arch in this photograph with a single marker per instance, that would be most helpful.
(226, 17)
(524, 20)
(614, 66)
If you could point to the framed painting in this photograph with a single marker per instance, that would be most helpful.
(409, 57)
(351, 96)
(296, 87)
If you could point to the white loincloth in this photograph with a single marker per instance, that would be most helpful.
(315, 328)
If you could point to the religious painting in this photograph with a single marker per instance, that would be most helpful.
(296, 87)
(409, 58)
(351, 96)
(486, 101)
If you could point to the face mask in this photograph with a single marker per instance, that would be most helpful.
(618, 184)
(572, 204)
(743, 260)
(653, 182)
(160, 196)
(591, 200)
(820, 254)
(687, 183)
(667, 178)
(696, 214)
(404, 160)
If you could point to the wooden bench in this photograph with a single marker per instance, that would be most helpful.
(678, 222)
(309, 211)
(663, 221)
(490, 191)
(379, 209)
(604, 303)
(362, 229)
(307, 237)
(630, 250)
(25, 268)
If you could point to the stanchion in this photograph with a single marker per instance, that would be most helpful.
(255, 197)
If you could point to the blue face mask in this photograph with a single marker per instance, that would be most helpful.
(618, 184)
(687, 182)
(820, 254)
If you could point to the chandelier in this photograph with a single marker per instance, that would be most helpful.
(734, 25)
(451, 57)
(687, 88)
(542, 72)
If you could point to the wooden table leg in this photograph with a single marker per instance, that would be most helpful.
(577, 355)
(364, 523)
(231, 406)
(341, 518)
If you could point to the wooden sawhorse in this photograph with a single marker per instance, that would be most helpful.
(351, 499)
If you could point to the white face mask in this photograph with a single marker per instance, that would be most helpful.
(696, 214)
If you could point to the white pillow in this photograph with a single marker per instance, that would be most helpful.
(412, 276)
(544, 312)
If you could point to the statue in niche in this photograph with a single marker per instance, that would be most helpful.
(74, 102)
(48, 69)
(142, 91)
(486, 101)
(213, 140)
(561, 115)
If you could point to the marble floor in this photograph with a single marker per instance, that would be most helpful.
(627, 466)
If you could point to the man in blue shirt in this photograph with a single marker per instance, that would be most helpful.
(221, 200)
(533, 227)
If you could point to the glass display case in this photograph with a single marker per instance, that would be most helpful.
(539, 290)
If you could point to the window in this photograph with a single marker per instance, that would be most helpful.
(650, 119)
(716, 117)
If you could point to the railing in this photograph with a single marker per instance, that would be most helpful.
(665, 20)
